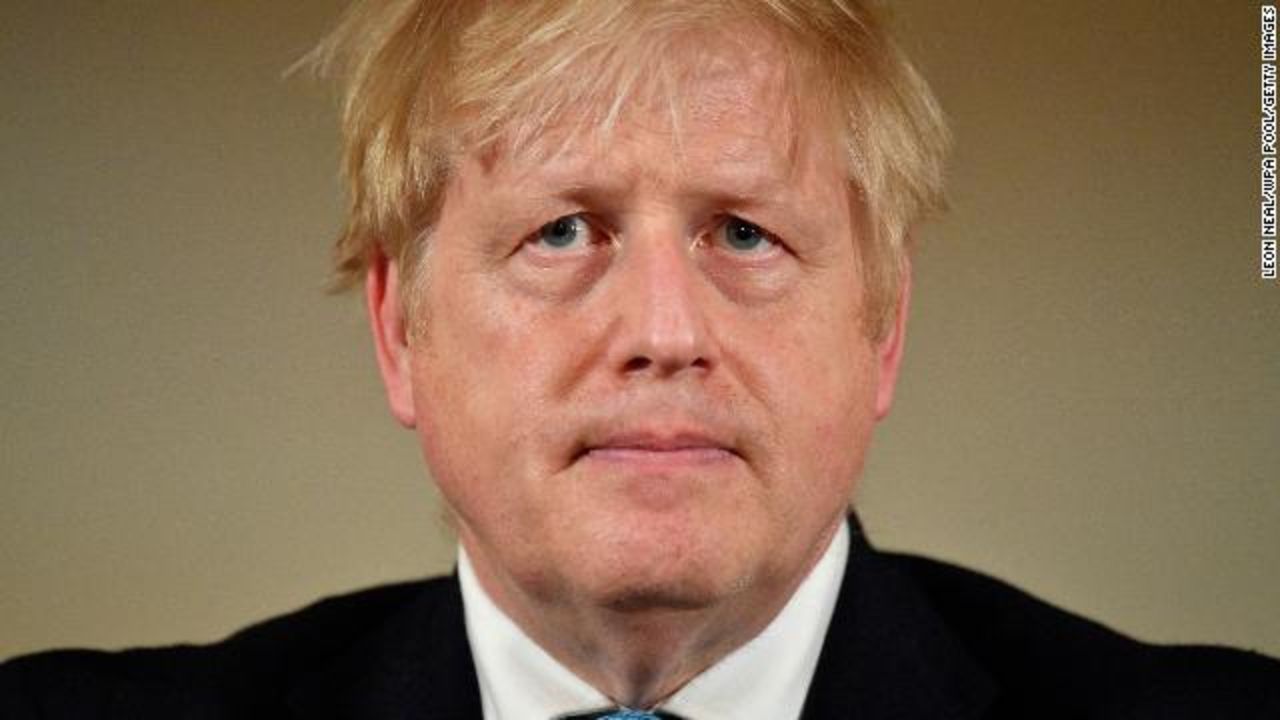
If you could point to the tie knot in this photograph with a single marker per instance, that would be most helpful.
(623, 714)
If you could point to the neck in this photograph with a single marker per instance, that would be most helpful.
(638, 655)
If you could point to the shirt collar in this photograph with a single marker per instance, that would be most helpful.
(769, 676)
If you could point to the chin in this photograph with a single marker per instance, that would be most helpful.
(656, 601)
(676, 568)
(655, 594)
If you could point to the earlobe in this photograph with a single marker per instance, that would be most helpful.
(388, 321)
(889, 350)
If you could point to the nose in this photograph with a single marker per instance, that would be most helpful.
(659, 303)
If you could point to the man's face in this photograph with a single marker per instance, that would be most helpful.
(641, 375)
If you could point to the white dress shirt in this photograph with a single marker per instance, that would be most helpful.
(768, 677)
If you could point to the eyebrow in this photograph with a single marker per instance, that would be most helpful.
(728, 185)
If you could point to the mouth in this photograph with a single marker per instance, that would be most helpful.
(654, 449)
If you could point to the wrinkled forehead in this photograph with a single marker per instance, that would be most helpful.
(672, 84)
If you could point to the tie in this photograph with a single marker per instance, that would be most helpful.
(622, 714)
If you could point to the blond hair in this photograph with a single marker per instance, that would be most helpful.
(426, 80)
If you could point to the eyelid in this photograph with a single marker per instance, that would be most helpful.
(595, 235)
(775, 242)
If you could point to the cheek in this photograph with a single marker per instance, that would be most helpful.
(828, 405)
(481, 377)
(819, 379)
(456, 366)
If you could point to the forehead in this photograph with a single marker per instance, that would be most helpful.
(730, 142)
(723, 101)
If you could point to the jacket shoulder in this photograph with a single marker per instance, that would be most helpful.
(1041, 654)
(233, 677)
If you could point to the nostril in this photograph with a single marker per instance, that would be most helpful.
(636, 364)
(641, 363)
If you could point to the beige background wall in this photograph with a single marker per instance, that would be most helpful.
(193, 436)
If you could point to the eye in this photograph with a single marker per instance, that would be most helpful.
(747, 238)
(563, 233)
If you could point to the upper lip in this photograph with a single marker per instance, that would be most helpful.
(659, 441)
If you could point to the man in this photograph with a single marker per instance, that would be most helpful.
(638, 277)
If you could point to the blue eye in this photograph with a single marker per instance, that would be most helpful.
(563, 232)
(746, 237)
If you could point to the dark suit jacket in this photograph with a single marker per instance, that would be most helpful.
(911, 639)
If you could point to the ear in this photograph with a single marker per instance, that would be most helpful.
(390, 337)
(889, 350)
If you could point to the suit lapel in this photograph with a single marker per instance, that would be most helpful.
(416, 666)
(888, 654)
